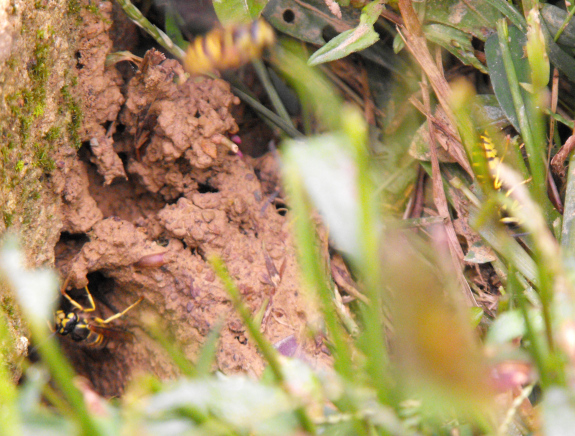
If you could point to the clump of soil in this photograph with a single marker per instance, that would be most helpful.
(153, 193)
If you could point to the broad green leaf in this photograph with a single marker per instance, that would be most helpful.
(510, 12)
(498, 74)
(238, 11)
(352, 40)
(308, 21)
(554, 18)
(559, 58)
(456, 42)
(473, 17)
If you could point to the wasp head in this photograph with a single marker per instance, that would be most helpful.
(66, 322)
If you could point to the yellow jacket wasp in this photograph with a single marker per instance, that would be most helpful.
(89, 331)
(229, 47)
(494, 166)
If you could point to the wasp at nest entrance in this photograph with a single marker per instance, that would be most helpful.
(87, 330)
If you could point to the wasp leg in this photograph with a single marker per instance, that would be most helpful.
(65, 285)
(508, 193)
(507, 142)
(65, 294)
(78, 305)
(74, 302)
(118, 315)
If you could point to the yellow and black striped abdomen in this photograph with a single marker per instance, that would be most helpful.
(494, 166)
(493, 160)
(229, 47)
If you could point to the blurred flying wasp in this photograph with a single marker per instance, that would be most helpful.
(228, 47)
(494, 167)
(89, 331)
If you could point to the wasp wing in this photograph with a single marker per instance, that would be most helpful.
(113, 333)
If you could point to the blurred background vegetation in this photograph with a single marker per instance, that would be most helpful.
(434, 139)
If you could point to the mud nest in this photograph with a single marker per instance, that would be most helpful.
(152, 193)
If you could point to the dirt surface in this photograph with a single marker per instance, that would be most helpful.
(153, 192)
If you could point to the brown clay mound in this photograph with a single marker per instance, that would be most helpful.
(155, 194)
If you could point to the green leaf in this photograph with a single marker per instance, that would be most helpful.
(554, 17)
(398, 43)
(558, 57)
(238, 11)
(352, 40)
(498, 74)
(510, 12)
(456, 42)
(476, 314)
(173, 23)
(306, 21)
(473, 17)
